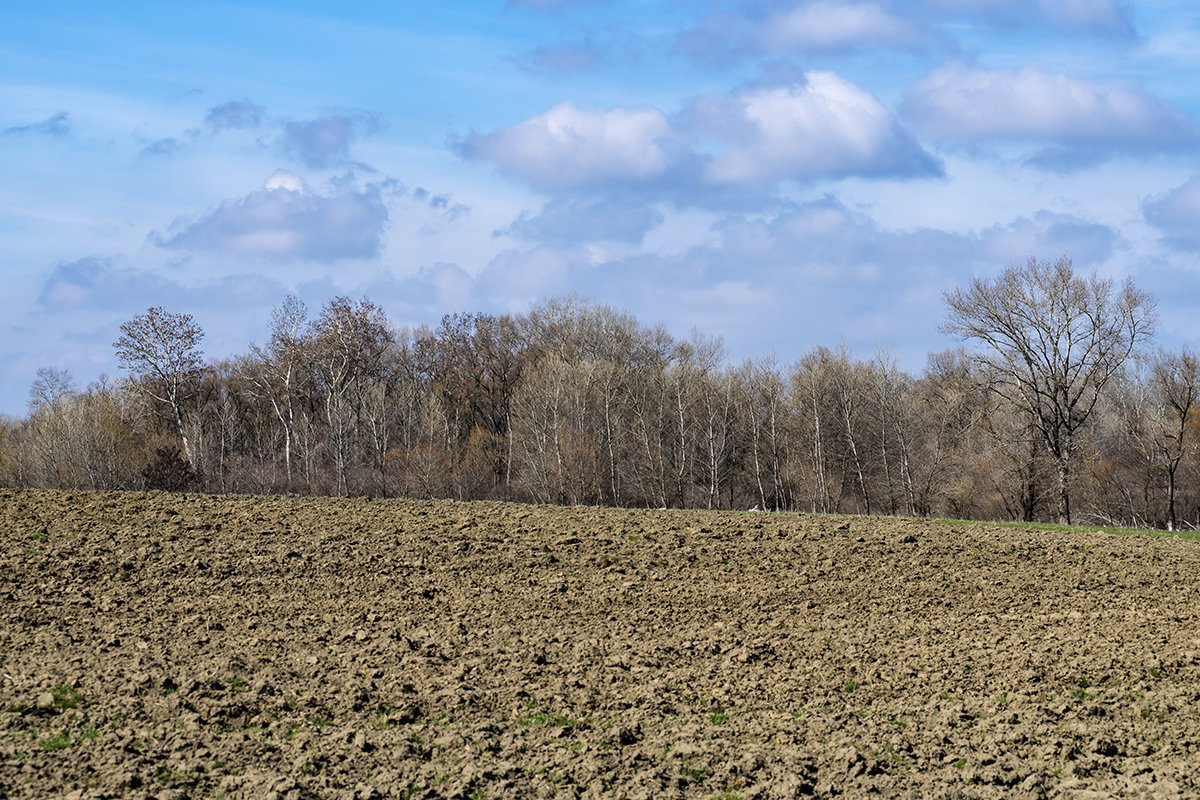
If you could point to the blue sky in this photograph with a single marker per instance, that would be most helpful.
(784, 173)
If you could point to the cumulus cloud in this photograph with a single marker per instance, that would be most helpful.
(58, 125)
(1177, 215)
(286, 218)
(235, 114)
(821, 126)
(718, 151)
(569, 147)
(973, 105)
(565, 221)
(325, 141)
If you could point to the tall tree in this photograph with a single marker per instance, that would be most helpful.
(278, 373)
(162, 353)
(1051, 340)
(1175, 383)
(51, 387)
(349, 341)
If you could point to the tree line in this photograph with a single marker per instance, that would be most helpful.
(1055, 408)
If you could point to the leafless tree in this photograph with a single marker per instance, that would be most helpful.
(277, 372)
(1175, 383)
(349, 341)
(161, 352)
(1051, 339)
(951, 405)
(50, 388)
(811, 390)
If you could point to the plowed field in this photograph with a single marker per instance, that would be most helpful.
(168, 646)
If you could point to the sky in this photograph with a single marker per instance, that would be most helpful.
(781, 173)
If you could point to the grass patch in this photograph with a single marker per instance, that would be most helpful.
(65, 696)
(59, 741)
(545, 717)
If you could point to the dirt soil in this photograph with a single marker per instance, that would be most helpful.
(168, 646)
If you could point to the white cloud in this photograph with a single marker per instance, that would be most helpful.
(287, 219)
(822, 126)
(722, 151)
(568, 147)
(972, 104)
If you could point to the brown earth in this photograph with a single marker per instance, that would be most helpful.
(169, 646)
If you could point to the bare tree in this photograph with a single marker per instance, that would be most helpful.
(811, 390)
(1051, 340)
(277, 372)
(349, 341)
(1175, 383)
(161, 352)
(951, 406)
(52, 430)
(51, 387)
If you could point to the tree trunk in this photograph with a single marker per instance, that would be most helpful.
(1172, 522)
(187, 445)
(1064, 491)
